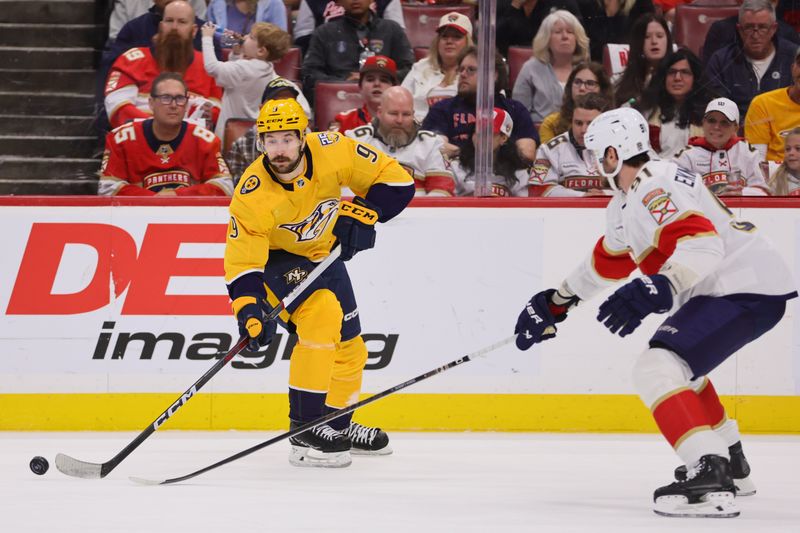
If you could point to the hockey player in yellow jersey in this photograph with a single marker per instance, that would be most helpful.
(285, 216)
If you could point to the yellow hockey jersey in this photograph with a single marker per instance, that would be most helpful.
(298, 216)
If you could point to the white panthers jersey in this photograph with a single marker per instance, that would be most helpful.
(422, 158)
(560, 171)
(670, 223)
(737, 164)
(465, 182)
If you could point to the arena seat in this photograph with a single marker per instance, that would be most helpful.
(716, 2)
(615, 59)
(234, 128)
(332, 98)
(517, 56)
(420, 52)
(692, 22)
(289, 65)
(422, 20)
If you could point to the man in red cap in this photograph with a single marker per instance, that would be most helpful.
(377, 74)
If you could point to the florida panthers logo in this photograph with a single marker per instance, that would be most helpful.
(314, 224)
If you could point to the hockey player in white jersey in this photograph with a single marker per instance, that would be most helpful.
(418, 151)
(563, 167)
(721, 282)
(728, 164)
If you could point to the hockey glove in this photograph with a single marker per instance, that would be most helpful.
(251, 314)
(537, 322)
(355, 227)
(624, 310)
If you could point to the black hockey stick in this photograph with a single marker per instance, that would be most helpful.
(77, 468)
(330, 416)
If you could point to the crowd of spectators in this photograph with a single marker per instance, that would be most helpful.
(176, 74)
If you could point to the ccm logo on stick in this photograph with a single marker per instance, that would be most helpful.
(145, 272)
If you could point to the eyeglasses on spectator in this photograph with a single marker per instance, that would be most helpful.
(168, 99)
(752, 29)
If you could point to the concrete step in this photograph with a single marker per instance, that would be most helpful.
(78, 81)
(52, 34)
(51, 187)
(49, 146)
(22, 103)
(24, 57)
(49, 11)
(47, 125)
(48, 168)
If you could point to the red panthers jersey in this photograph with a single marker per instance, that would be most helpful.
(132, 74)
(135, 163)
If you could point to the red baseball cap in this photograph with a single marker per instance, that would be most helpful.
(501, 122)
(382, 64)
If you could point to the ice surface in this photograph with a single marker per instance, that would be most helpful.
(433, 482)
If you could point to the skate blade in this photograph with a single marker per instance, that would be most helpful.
(308, 457)
(386, 450)
(713, 505)
(744, 487)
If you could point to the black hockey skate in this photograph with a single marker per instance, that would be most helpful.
(707, 492)
(367, 440)
(321, 446)
(740, 469)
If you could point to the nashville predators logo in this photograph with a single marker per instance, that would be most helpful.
(249, 185)
(295, 276)
(314, 224)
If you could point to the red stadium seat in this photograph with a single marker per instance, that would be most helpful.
(692, 22)
(420, 52)
(422, 20)
(289, 65)
(517, 56)
(717, 2)
(332, 98)
(235, 128)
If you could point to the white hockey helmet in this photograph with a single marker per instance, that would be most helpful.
(623, 129)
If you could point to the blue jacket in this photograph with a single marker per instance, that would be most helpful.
(273, 11)
(732, 76)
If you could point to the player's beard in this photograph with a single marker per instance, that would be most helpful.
(173, 52)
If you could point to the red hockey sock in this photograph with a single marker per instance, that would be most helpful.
(679, 415)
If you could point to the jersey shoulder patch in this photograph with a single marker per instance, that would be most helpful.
(250, 184)
(327, 138)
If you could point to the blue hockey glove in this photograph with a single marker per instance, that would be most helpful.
(355, 227)
(624, 310)
(537, 322)
(251, 314)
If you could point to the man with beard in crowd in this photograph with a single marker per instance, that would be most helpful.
(394, 132)
(454, 118)
(128, 84)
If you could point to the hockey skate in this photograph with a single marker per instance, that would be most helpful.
(321, 446)
(367, 440)
(707, 492)
(740, 469)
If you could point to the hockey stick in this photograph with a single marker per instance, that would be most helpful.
(77, 468)
(330, 416)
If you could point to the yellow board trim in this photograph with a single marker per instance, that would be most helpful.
(412, 412)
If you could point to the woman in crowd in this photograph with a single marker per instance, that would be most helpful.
(559, 45)
(611, 21)
(585, 78)
(238, 16)
(786, 180)
(650, 43)
(510, 176)
(435, 77)
(674, 103)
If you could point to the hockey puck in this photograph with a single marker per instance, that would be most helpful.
(39, 465)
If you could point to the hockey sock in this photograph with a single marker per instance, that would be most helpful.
(725, 427)
(345, 385)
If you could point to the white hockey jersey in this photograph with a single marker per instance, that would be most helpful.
(560, 171)
(669, 222)
(422, 158)
(737, 163)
